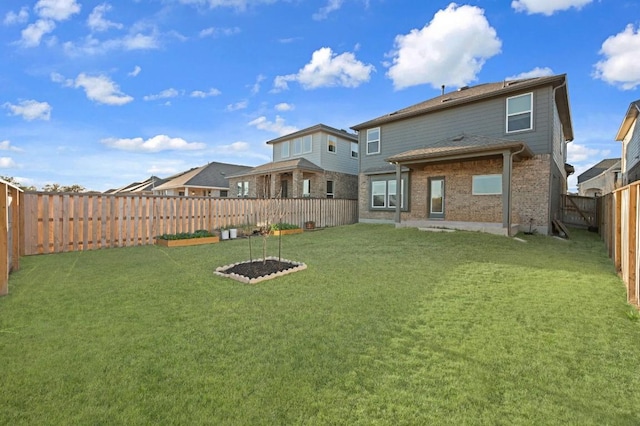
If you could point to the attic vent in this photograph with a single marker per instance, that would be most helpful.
(458, 138)
(445, 100)
(463, 88)
(511, 83)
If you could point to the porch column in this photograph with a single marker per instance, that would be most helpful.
(398, 192)
(273, 189)
(297, 184)
(506, 191)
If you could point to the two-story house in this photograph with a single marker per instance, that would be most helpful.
(489, 157)
(317, 162)
(629, 135)
(600, 179)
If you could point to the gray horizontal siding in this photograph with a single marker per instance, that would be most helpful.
(633, 148)
(485, 118)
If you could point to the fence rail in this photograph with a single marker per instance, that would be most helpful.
(619, 217)
(55, 222)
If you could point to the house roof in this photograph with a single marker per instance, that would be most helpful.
(629, 118)
(460, 147)
(313, 129)
(146, 185)
(212, 175)
(281, 166)
(466, 95)
(598, 169)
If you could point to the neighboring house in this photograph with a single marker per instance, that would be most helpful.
(629, 135)
(144, 187)
(489, 157)
(317, 162)
(600, 179)
(206, 181)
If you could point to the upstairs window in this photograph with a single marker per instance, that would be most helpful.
(307, 144)
(354, 150)
(284, 149)
(520, 113)
(332, 143)
(297, 146)
(373, 141)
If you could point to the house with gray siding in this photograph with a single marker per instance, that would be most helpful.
(210, 180)
(600, 179)
(490, 157)
(317, 162)
(629, 135)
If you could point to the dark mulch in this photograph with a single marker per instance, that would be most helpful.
(258, 268)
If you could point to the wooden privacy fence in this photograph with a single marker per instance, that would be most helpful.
(9, 233)
(55, 222)
(620, 214)
(579, 212)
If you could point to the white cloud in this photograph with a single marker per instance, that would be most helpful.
(234, 148)
(284, 107)
(58, 10)
(237, 106)
(621, 66)
(536, 72)
(276, 126)
(324, 12)
(59, 78)
(17, 18)
(328, 69)
(6, 146)
(7, 163)
(215, 32)
(155, 144)
(165, 94)
(255, 88)
(236, 4)
(93, 46)
(450, 50)
(30, 110)
(140, 42)
(577, 153)
(202, 94)
(547, 7)
(32, 35)
(97, 22)
(102, 90)
(135, 71)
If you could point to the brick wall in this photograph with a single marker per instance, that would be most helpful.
(529, 189)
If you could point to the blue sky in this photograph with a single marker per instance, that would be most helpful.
(102, 94)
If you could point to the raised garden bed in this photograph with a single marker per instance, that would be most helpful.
(253, 272)
(186, 239)
(285, 229)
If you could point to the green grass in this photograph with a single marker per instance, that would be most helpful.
(385, 326)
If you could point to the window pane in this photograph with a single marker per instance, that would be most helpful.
(331, 144)
(373, 134)
(297, 146)
(487, 185)
(285, 149)
(373, 147)
(373, 141)
(519, 122)
(306, 188)
(378, 193)
(307, 143)
(519, 104)
(354, 150)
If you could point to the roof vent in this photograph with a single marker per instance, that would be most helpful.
(457, 138)
(445, 100)
(463, 88)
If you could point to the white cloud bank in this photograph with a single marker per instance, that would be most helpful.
(97, 22)
(278, 126)
(620, 66)
(155, 144)
(30, 110)
(328, 69)
(547, 7)
(6, 146)
(450, 50)
(536, 72)
(207, 94)
(98, 88)
(49, 12)
(165, 94)
(7, 163)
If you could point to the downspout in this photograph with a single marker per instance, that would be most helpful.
(549, 212)
(399, 193)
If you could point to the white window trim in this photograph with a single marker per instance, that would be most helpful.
(378, 140)
(384, 206)
(473, 184)
(387, 204)
(509, 115)
(288, 150)
(306, 186)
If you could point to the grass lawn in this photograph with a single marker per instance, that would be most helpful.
(385, 326)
